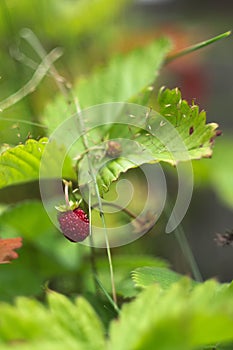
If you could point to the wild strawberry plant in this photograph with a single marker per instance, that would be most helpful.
(164, 310)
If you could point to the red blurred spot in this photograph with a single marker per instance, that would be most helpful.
(7, 247)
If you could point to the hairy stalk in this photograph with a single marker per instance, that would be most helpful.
(93, 261)
(66, 90)
(85, 144)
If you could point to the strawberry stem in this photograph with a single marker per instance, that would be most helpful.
(66, 193)
(85, 144)
(65, 88)
(93, 260)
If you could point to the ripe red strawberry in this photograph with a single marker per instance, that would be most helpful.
(74, 224)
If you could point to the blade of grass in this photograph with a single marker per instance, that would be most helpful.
(108, 296)
(185, 248)
(196, 47)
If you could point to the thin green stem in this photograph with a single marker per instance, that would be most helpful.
(196, 47)
(127, 211)
(85, 144)
(113, 303)
(66, 90)
(93, 261)
(187, 252)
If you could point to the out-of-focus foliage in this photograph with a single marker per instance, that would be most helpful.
(79, 27)
(121, 80)
(178, 318)
(146, 276)
(175, 318)
(217, 173)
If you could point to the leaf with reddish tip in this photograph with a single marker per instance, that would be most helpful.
(7, 247)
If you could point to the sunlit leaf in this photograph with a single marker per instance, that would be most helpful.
(181, 135)
(22, 163)
(177, 318)
(72, 325)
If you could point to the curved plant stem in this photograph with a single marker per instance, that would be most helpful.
(31, 85)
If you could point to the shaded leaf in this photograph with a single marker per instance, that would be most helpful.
(45, 255)
(123, 78)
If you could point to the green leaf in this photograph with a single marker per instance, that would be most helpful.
(123, 78)
(123, 265)
(191, 124)
(145, 276)
(179, 133)
(22, 163)
(79, 319)
(29, 324)
(177, 318)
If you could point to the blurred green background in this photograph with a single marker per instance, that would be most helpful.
(91, 32)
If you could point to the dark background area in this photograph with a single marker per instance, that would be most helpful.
(206, 76)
